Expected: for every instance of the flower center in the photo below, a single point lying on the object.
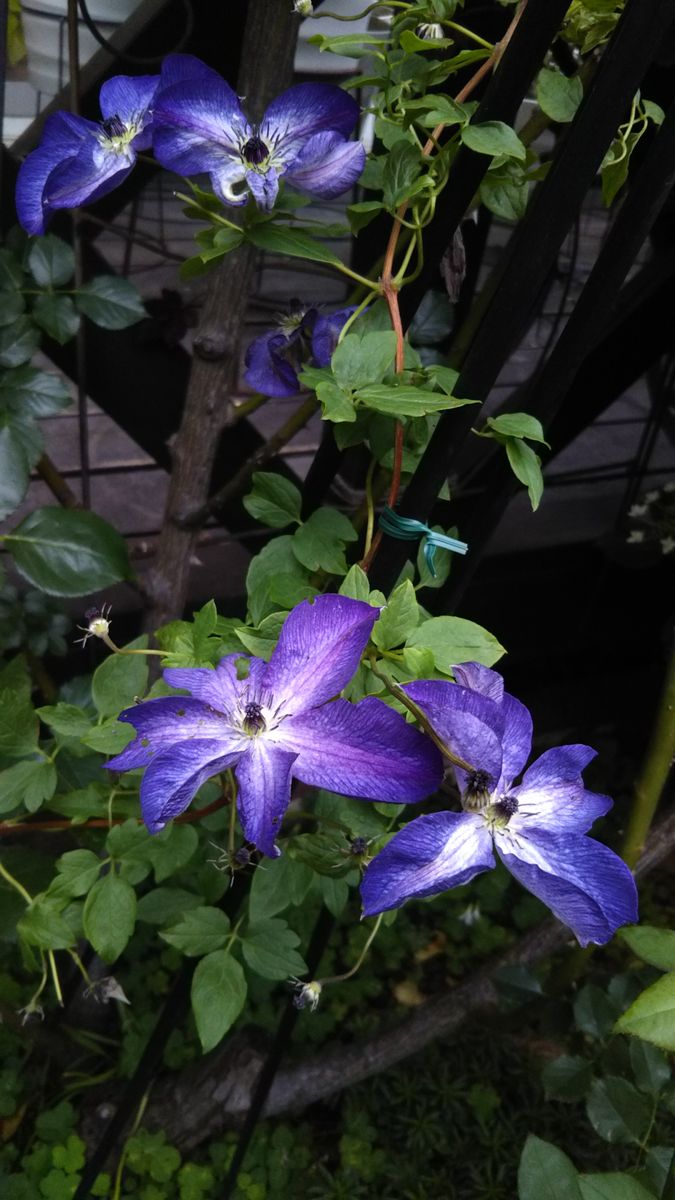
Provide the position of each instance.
(477, 790)
(254, 722)
(255, 151)
(499, 814)
(113, 127)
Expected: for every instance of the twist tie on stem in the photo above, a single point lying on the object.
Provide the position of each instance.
(408, 529)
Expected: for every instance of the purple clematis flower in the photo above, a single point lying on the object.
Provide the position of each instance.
(274, 359)
(77, 160)
(537, 827)
(271, 723)
(200, 127)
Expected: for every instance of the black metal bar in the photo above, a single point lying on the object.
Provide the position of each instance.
(532, 250)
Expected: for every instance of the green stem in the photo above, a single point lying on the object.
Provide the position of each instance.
(359, 962)
(18, 887)
(105, 637)
(316, 16)
(208, 214)
(654, 773)
(356, 314)
(469, 33)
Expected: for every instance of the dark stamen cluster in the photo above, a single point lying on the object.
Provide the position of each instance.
(242, 857)
(477, 784)
(254, 721)
(254, 150)
(507, 805)
(358, 847)
(113, 127)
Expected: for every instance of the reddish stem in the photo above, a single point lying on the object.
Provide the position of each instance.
(6, 827)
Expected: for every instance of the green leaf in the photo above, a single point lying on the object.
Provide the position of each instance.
(171, 850)
(652, 945)
(362, 213)
(109, 915)
(165, 905)
(65, 719)
(275, 559)
(567, 1078)
(652, 1015)
(443, 109)
(493, 138)
(654, 112)
(110, 302)
(18, 722)
(78, 871)
(614, 1186)
(319, 543)
(559, 96)
(218, 995)
(545, 1173)
(659, 1162)
(505, 195)
(287, 591)
(418, 661)
(399, 618)
(273, 500)
(358, 361)
(336, 405)
(355, 584)
(269, 950)
(57, 316)
(17, 457)
(262, 641)
(277, 883)
(29, 783)
(617, 1111)
(201, 931)
(42, 925)
(66, 552)
(334, 893)
(327, 853)
(18, 342)
(456, 640)
(120, 679)
(11, 273)
(358, 816)
(12, 305)
(34, 393)
(594, 1012)
(51, 262)
(517, 425)
(401, 169)
(404, 400)
(110, 737)
(526, 466)
(651, 1069)
(280, 239)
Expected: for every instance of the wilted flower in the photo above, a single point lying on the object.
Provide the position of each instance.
(79, 161)
(200, 127)
(271, 723)
(430, 31)
(307, 995)
(274, 359)
(538, 827)
(98, 624)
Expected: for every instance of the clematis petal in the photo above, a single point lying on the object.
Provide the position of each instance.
(326, 166)
(325, 334)
(516, 738)
(180, 68)
(480, 679)
(264, 187)
(317, 653)
(208, 112)
(188, 153)
(366, 750)
(584, 883)
(305, 109)
(221, 687)
(62, 139)
(266, 368)
(93, 172)
(552, 795)
(163, 723)
(433, 853)
(128, 97)
(468, 722)
(264, 775)
(173, 778)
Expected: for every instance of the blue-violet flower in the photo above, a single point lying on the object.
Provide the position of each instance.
(274, 359)
(200, 127)
(538, 827)
(271, 723)
(78, 160)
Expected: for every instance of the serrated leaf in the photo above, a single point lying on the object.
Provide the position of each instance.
(336, 404)
(218, 995)
(51, 261)
(28, 783)
(269, 949)
(319, 543)
(57, 316)
(545, 1173)
(652, 1015)
(78, 871)
(171, 850)
(201, 931)
(456, 640)
(68, 552)
(617, 1111)
(120, 679)
(109, 915)
(18, 342)
(273, 501)
(110, 302)
(399, 619)
(65, 719)
(164, 905)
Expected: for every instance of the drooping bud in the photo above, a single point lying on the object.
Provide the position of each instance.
(98, 624)
(307, 995)
(304, 8)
